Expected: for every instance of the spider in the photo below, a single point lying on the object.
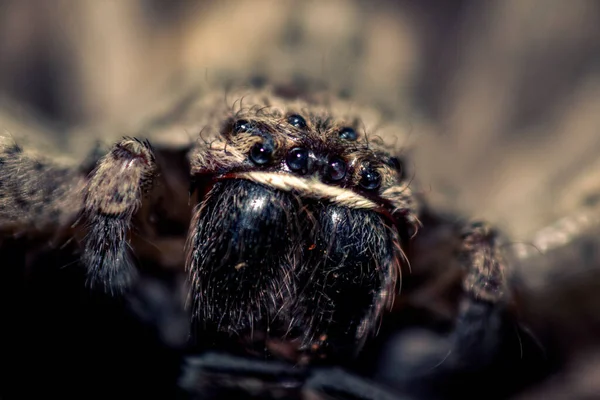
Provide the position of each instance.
(294, 222)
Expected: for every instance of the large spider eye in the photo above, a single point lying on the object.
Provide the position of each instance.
(347, 134)
(371, 179)
(241, 125)
(261, 153)
(297, 121)
(297, 160)
(336, 169)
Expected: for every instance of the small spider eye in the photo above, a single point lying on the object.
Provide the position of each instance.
(347, 134)
(260, 153)
(297, 121)
(398, 166)
(241, 125)
(336, 169)
(297, 160)
(395, 163)
(371, 179)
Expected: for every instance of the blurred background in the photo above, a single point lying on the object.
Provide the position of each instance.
(500, 99)
(501, 96)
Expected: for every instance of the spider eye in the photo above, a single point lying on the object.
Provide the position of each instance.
(241, 125)
(336, 169)
(260, 153)
(297, 160)
(347, 134)
(297, 121)
(371, 179)
(395, 163)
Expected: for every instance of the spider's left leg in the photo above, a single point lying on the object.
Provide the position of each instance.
(485, 343)
(113, 195)
(489, 339)
(482, 313)
(488, 343)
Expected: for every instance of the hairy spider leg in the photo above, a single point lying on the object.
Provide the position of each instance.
(37, 195)
(112, 196)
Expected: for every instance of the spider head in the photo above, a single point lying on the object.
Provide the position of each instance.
(296, 237)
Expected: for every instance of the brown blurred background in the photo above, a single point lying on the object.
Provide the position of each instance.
(500, 96)
(500, 99)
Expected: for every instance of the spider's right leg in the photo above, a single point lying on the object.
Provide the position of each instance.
(38, 195)
(113, 194)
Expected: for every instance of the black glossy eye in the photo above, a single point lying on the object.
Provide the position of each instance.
(241, 125)
(398, 166)
(261, 153)
(297, 160)
(297, 121)
(347, 134)
(395, 163)
(336, 169)
(371, 179)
